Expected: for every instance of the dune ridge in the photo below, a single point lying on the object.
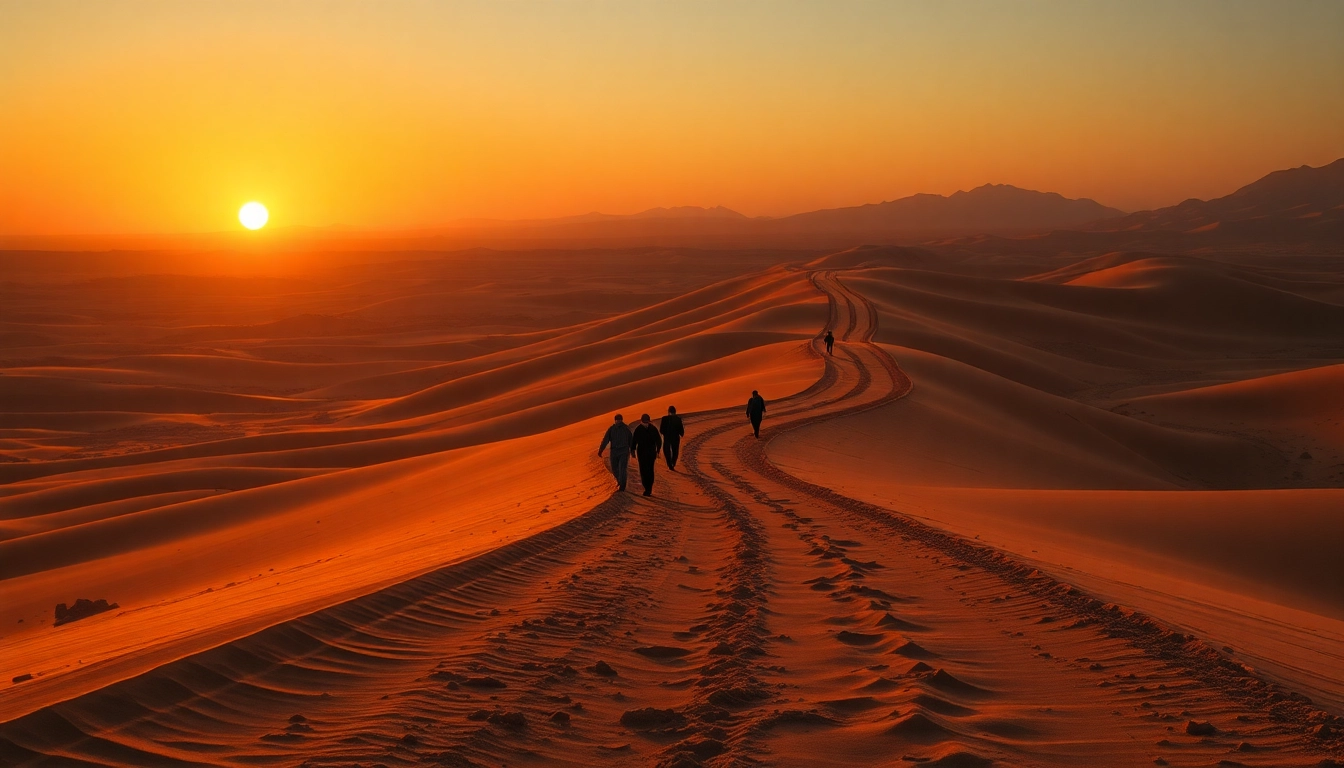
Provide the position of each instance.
(741, 612)
(1041, 534)
(122, 510)
(1158, 428)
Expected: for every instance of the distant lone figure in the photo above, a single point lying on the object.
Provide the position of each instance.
(830, 343)
(645, 443)
(756, 411)
(671, 429)
(618, 437)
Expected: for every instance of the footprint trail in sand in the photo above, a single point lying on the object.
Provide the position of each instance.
(741, 616)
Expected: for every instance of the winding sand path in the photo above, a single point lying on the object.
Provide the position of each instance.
(741, 616)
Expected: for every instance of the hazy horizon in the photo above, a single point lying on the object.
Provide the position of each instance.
(410, 117)
(466, 222)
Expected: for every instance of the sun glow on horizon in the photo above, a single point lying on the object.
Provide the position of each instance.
(415, 115)
(253, 215)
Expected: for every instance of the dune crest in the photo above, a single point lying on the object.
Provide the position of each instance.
(880, 576)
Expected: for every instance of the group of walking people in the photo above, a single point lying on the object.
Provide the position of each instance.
(645, 440)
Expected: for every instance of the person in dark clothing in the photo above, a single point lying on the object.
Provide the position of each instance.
(645, 444)
(756, 411)
(618, 437)
(672, 431)
(830, 343)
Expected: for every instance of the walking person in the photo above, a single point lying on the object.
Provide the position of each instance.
(756, 411)
(830, 342)
(618, 437)
(645, 443)
(671, 429)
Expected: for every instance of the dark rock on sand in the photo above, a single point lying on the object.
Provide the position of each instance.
(651, 717)
(662, 651)
(82, 609)
(1198, 728)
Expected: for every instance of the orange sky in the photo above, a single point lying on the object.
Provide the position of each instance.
(167, 116)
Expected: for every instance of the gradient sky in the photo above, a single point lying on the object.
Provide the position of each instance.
(149, 117)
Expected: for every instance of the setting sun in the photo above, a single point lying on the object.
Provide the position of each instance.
(253, 215)
(672, 383)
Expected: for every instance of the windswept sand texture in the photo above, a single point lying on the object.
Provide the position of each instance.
(1049, 513)
(213, 473)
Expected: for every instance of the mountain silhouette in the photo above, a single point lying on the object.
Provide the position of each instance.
(1296, 204)
(988, 209)
(999, 209)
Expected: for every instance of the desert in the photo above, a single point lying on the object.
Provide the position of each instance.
(1010, 518)
(669, 384)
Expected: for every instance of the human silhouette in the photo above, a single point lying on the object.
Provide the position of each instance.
(618, 437)
(756, 411)
(830, 343)
(645, 443)
(670, 427)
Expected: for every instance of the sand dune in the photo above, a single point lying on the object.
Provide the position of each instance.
(1300, 413)
(1021, 432)
(125, 509)
(1014, 520)
(964, 427)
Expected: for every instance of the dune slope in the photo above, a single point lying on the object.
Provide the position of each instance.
(742, 613)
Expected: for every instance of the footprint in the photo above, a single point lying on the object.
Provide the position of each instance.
(662, 651)
(942, 706)
(858, 638)
(891, 622)
(952, 757)
(852, 704)
(913, 650)
(944, 681)
(917, 726)
(882, 685)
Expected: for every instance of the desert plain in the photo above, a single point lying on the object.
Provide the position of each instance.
(1071, 496)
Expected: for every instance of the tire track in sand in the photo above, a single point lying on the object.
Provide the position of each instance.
(743, 616)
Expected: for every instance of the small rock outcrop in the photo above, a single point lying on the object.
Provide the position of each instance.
(1200, 728)
(82, 609)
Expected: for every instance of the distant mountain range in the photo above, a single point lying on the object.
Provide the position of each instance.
(678, 212)
(992, 208)
(1302, 205)
(1299, 210)
(1298, 203)
(1299, 207)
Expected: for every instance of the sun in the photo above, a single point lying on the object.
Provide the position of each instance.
(253, 215)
